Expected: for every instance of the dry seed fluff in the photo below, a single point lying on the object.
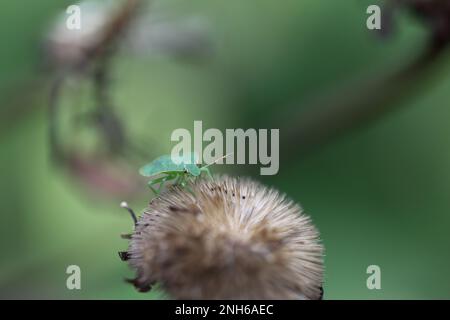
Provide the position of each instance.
(235, 239)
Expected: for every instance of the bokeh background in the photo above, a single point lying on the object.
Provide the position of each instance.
(379, 194)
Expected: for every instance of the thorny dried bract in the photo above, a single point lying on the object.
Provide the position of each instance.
(230, 239)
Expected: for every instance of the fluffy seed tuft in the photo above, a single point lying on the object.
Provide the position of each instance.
(235, 239)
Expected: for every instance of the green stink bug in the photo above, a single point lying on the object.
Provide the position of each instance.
(179, 168)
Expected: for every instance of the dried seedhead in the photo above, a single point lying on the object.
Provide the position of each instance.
(227, 239)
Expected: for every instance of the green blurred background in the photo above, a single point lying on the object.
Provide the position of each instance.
(379, 195)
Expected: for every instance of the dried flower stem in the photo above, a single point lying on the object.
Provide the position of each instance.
(354, 107)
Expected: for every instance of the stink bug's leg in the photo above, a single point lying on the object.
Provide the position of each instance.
(185, 184)
(208, 173)
(188, 188)
(124, 205)
(179, 179)
(173, 176)
(151, 188)
(163, 180)
(191, 179)
(151, 183)
(161, 185)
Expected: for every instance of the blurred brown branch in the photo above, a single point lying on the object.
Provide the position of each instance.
(359, 103)
(95, 64)
(99, 172)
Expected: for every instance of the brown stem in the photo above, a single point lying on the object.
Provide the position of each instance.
(96, 57)
(354, 107)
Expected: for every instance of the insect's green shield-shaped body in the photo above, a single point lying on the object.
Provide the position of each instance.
(178, 168)
(168, 164)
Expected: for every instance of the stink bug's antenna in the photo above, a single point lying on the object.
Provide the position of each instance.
(124, 205)
(215, 161)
